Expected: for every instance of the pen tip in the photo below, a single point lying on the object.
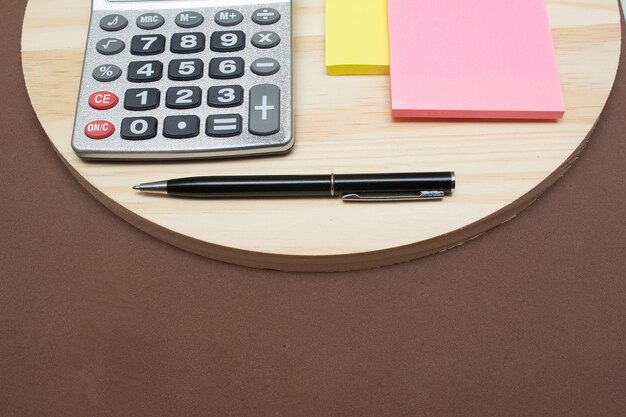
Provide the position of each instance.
(152, 187)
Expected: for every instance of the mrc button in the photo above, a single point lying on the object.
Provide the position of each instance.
(150, 21)
(103, 100)
(99, 129)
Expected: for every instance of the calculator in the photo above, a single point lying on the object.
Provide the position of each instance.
(178, 79)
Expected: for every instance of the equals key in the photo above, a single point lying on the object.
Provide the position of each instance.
(224, 125)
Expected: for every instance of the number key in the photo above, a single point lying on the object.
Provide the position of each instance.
(139, 128)
(146, 71)
(228, 41)
(185, 69)
(226, 68)
(137, 99)
(183, 97)
(187, 43)
(147, 45)
(226, 96)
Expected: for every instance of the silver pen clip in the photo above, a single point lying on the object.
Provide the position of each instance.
(380, 197)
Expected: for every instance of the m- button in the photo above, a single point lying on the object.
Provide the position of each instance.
(103, 100)
(189, 20)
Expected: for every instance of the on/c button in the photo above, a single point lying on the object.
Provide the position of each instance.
(99, 129)
(103, 100)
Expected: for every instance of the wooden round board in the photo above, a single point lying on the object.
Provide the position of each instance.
(343, 125)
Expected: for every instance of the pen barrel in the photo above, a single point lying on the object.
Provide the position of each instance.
(394, 183)
(251, 186)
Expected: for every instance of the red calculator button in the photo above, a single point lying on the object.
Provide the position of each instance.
(99, 129)
(103, 100)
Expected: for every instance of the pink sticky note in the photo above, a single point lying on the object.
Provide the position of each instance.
(473, 59)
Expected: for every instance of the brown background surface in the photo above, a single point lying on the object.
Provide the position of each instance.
(99, 319)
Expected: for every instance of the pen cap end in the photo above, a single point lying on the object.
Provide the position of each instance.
(452, 181)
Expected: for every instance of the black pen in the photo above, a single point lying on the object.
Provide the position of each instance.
(350, 187)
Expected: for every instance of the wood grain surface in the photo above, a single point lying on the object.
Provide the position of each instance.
(343, 125)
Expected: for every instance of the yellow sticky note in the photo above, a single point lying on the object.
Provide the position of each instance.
(357, 37)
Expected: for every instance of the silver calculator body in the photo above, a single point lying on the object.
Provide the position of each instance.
(179, 79)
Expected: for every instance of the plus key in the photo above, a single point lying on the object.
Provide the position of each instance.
(264, 110)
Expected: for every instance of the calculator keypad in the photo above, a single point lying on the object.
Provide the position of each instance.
(209, 82)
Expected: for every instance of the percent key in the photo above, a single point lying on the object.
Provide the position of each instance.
(107, 73)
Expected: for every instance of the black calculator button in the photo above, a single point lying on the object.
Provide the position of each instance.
(150, 21)
(181, 127)
(223, 125)
(226, 68)
(147, 45)
(137, 99)
(265, 40)
(183, 97)
(226, 96)
(228, 41)
(113, 22)
(187, 43)
(139, 128)
(110, 46)
(189, 19)
(145, 71)
(228, 17)
(185, 69)
(265, 66)
(266, 16)
(107, 73)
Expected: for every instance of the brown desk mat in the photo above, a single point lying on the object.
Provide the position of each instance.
(99, 319)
